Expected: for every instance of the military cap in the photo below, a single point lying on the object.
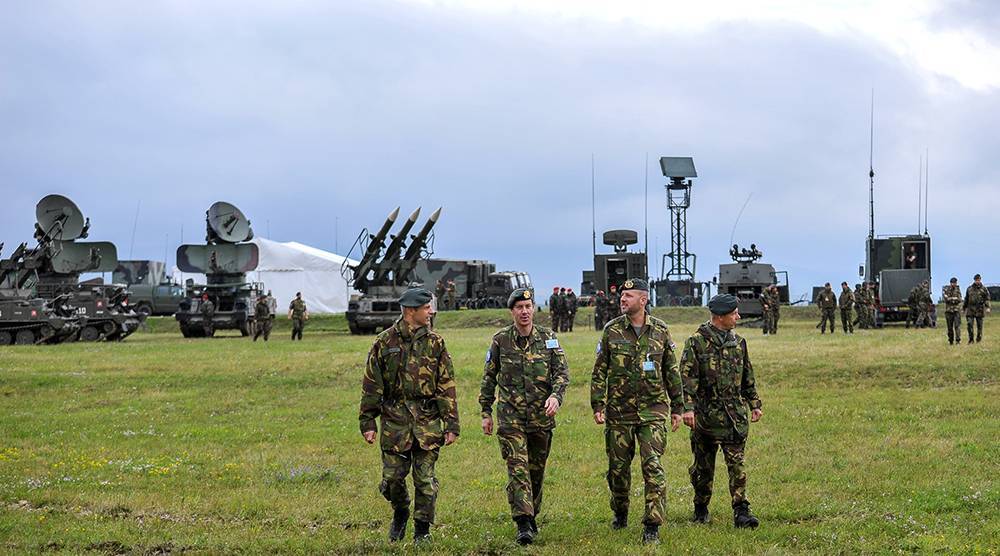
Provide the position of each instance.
(635, 284)
(555, 289)
(954, 280)
(977, 277)
(415, 297)
(723, 304)
(520, 294)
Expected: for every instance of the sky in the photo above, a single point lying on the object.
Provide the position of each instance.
(319, 118)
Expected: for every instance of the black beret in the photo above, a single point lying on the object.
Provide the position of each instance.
(723, 304)
(415, 297)
(954, 280)
(520, 294)
(635, 284)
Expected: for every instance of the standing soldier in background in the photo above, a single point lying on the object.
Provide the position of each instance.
(952, 295)
(827, 302)
(976, 305)
(554, 308)
(614, 303)
(859, 308)
(872, 304)
(600, 310)
(765, 308)
(298, 314)
(719, 385)
(913, 307)
(634, 388)
(262, 316)
(409, 386)
(924, 302)
(207, 309)
(571, 306)
(563, 311)
(846, 303)
(863, 306)
(774, 315)
(529, 366)
(450, 299)
(272, 305)
(439, 292)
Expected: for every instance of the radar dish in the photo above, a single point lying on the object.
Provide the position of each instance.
(228, 223)
(59, 218)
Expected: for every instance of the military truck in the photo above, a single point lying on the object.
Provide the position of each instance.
(224, 260)
(746, 278)
(26, 319)
(477, 283)
(896, 264)
(150, 290)
(385, 271)
(613, 269)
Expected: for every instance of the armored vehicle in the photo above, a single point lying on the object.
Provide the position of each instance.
(25, 319)
(896, 264)
(150, 290)
(746, 278)
(613, 269)
(385, 271)
(477, 283)
(224, 260)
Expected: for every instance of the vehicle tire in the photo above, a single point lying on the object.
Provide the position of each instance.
(5, 338)
(354, 328)
(144, 309)
(185, 332)
(24, 337)
(245, 328)
(89, 334)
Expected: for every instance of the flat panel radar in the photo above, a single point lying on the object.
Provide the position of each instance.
(678, 167)
(228, 224)
(60, 218)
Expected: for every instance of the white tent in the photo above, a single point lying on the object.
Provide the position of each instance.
(286, 268)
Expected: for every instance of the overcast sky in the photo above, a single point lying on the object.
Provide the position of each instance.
(318, 118)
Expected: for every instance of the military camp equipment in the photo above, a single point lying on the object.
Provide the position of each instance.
(746, 278)
(478, 285)
(150, 290)
(26, 319)
(613, 269)
(676, 285)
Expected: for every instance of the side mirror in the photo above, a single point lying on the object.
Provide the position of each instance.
(861, 270)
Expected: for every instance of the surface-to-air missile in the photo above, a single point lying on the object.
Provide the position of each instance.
(51, 270)
(224, 260)
(382, 276)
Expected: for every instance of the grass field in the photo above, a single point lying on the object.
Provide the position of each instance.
(883, 442)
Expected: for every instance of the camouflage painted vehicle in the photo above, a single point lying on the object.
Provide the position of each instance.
(746, 278)
(896, 264)
(150, 291)
(26, 320)
(477, 283)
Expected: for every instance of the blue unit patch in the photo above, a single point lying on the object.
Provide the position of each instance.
(552, 344)
(489, 355)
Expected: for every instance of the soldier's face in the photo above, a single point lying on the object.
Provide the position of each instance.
(421, 316)
(978, 281)
(728, 321)
(632, 301)
(523, 313)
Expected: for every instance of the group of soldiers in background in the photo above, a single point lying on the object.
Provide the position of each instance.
(770, 303)
(606, 307)
(976, 304)
(446, 294)
(920, 305)
(562, 309)
(264, 313)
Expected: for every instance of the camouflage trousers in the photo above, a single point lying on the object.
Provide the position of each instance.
(954, 321)
(826, 315)
(702, 470)
(978, 322)
(297, 326)
(847, 320)
(599, 321)
(766, 317)
(620, 441)
(525, 454)
(569, 321)
(775, 316)
(262, 328)
(396, 466)
(861, 316)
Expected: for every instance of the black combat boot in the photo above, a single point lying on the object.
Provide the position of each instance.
(534, 524)
(651, 534)
(701, 514)
(620, 521)
(525, 535)
(397, 529)
(421, 531)
(742, 518)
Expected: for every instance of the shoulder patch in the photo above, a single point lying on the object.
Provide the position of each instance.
(489, 355)
(552, 343)
(598, 348)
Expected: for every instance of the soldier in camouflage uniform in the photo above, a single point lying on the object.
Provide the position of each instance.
(976, 305)
(614, 303)
(913, 307)
(298, 313)
(528, 365)
(870, 289)
(846, 303)
(409, 386)
(554, 311)
(719, 384)
(952, 296)
(451, 296)
(600, 310)
(207, 310)
(571, 307)
(775, 308)
(634, 388)
(765, 308)
(859, 301)
(827, 302)
(924, 302)
(262, 318)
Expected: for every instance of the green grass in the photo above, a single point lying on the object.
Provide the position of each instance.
(884, 442)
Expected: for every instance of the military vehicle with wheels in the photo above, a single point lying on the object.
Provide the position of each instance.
(224, 260)
(746, 278)
(478, 285)
(385, 272)
(27, 320)
(150, 290)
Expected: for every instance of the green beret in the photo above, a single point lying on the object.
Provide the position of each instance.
(635, 284)
(520, 294)
(415, 297)
(723, 304)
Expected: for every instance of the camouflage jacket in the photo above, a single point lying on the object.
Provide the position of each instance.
(846, 299)
(207, 308)
(865, 297)
(977, 299)
(826, 299)
(298, 308)
(409, 384)
(765, 300)
(262, 310)
(571, 302)
(600, 305)
(635, 379)
(719, 383)
(555, 303)
(527, 377)
(952, 298)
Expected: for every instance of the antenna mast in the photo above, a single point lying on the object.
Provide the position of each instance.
(645, 214)
(926, 185)
(920, 192)
(593, 212)
(871, 173)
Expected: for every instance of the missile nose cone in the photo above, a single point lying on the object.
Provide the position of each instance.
(416, 214)
(393, 215)
(436, 214)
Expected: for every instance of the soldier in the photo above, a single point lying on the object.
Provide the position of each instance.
(634, 387)
(913, 306)
(439, 290)
(859, 307)
(600, 310)
(827, 301)
(207, 309)
(272, 305)
(775, 308)
(299, 314)
(872, 306)
(262, 316)
(554, 308)
(846, 303)
(614, 303)
(952, 295)
(765, 308)
(528, 364)
(563, 311)
(571, 306)
(976, 305)
(924, 302)
(719, 385)
(409, 386)
(450, 296)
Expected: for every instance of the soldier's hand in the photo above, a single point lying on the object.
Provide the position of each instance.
(488, 426)
(755, 415)
(675, 422)
(551, 406)
(688, 418)
(599, 417)
(369, 436)
(449, 438)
